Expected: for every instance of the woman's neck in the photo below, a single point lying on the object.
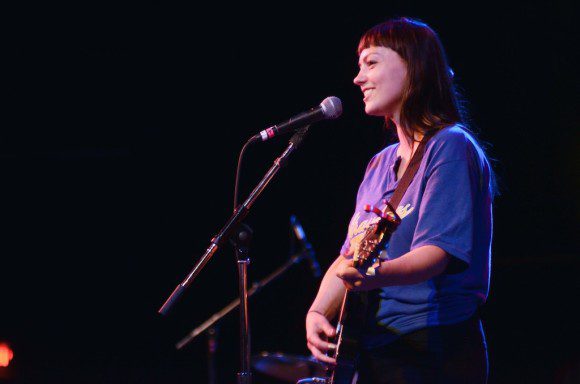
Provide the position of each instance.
(407, 146)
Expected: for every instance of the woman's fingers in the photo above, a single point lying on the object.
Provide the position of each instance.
(319, 344)
(318, 355)
(318, 328)
(328, 330)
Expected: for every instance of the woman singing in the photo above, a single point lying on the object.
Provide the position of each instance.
(424, 325)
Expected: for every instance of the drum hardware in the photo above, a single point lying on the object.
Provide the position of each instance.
(286, 367)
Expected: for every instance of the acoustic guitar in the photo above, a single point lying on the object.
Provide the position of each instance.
(353, 312)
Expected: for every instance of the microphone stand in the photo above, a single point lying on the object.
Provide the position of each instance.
(245, 375)
(212, 347)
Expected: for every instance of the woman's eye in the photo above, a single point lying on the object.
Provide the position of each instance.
(371, 63)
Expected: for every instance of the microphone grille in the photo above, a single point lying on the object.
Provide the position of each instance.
(331, 107)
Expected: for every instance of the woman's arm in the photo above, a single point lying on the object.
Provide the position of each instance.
(416, 266)
(330, 293)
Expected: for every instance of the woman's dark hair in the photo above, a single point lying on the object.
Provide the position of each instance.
(430, 101)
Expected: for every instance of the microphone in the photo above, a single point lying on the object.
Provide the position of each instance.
(330, 108)
(306, 246)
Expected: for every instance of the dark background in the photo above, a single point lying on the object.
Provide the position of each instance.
(122, 127)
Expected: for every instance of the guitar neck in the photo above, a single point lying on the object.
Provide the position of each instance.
(349, 329)
(353, 310)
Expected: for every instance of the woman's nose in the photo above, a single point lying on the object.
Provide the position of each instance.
(360, 78)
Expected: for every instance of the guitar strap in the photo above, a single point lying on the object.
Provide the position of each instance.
(410, 172)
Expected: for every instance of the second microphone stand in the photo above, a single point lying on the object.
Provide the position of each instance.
(256, 287)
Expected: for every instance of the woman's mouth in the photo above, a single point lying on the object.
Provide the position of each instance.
(367, 93)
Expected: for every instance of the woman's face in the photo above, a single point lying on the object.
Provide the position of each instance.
(382, 78)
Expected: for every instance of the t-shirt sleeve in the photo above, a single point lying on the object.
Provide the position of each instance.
(446, 213)
(345, 245)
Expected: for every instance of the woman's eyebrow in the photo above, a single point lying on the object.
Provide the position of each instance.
(365, 57)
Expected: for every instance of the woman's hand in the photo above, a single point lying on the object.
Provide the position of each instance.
(318, 330)
(353, 279)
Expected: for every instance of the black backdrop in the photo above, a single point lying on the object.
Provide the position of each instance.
(122, 127)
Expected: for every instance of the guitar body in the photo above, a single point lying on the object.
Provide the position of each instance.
(353, 313)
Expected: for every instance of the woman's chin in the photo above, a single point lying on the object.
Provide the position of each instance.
(369, 110)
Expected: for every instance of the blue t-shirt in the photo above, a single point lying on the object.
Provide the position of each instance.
(448, 204)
